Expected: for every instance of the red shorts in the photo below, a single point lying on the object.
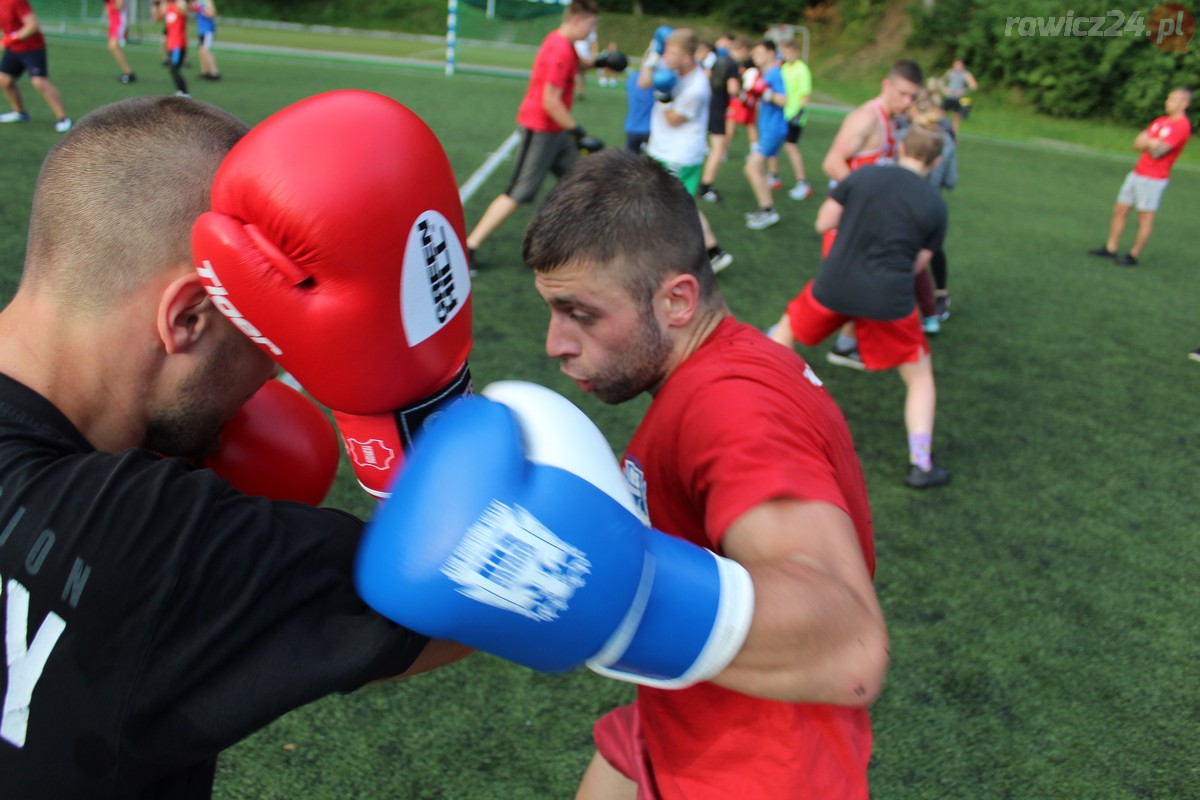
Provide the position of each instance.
(117, 26)
(882, 344)
(740, 112)
(827, 241)
(619, 739)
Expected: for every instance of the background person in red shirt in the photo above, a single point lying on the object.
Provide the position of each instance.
(1161, 144)
(174, 16)
(550, 137)
(25, 49)
(118, 27)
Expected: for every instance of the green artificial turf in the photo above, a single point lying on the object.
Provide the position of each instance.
(1041, 608)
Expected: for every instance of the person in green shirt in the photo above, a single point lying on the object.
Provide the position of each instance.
(797, 78)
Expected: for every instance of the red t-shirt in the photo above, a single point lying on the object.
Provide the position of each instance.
(1174, 132)
(556, 63)
(12, 19)
(176, 21)
(740, 422)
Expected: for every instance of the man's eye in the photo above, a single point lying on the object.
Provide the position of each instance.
(581, 317)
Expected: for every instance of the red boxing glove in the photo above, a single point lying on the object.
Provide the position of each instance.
(279, 445)
(335, 243)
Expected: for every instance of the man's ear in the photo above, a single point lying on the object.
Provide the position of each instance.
(679, 297)
(184, 313)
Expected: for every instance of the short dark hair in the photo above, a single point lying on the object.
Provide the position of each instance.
(907, 70)
(767, 43)
(622, 212)
(116, 196)
(583, 7)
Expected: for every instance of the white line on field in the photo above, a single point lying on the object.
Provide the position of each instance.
(488, 167)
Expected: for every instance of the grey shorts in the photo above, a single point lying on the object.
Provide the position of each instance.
(540, 153)
(1143, 193)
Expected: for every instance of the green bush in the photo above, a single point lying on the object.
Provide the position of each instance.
(1121, 75)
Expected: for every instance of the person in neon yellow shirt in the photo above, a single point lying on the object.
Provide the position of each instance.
(797, 78)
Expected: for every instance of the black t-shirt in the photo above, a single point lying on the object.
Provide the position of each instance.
(723, 69)
(155, 616)
(889, 214)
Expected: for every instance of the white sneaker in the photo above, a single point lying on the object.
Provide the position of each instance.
(182, 94)
(801, 191)
(720, 261)
(760, 219)
(63, 125)
(14, 116)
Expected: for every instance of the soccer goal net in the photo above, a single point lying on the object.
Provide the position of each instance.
(90, 18)
(516, 24)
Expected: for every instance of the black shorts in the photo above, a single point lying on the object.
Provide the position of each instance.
(35, 61)
(953, 105)
(716, 114)
(794, 132)
(540, 153)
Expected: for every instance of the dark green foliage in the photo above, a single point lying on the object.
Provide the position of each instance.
(1113, 73)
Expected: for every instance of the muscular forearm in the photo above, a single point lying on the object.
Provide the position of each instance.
(835, 166)
(557, 110)
(812, 640)
(829, 215)
(29, 26)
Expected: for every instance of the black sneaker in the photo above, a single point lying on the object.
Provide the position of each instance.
(845, 358)
(1102, 251)
(918, 478)
(128, 78)
(1126, 261)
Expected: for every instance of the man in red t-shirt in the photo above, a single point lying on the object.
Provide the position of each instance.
(174, 15)
(741, 451)
(551, 138)
(25, 49)
(1160, 144)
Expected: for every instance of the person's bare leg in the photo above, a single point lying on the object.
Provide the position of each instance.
(114, 47)
(782, 332)
(710, 238)
(1117, 226)
(1145, 226)
(756, 173)
(53, 99)
(717, 147)
(500, 209)
(11, 92)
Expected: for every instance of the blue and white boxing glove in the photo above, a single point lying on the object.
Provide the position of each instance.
(511, 530)
(665, 81)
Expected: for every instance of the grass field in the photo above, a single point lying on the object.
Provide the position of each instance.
(1042, 608)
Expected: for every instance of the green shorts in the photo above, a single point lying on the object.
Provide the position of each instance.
(689, 176)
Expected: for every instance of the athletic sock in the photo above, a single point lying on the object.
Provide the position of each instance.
(845, 343)
(704, 187)
(920, 447)
(713, 252)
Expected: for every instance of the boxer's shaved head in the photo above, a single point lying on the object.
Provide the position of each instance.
(117, 196)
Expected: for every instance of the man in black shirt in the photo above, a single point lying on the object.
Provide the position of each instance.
(153, 614)
(725, 79)
(890, 221)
